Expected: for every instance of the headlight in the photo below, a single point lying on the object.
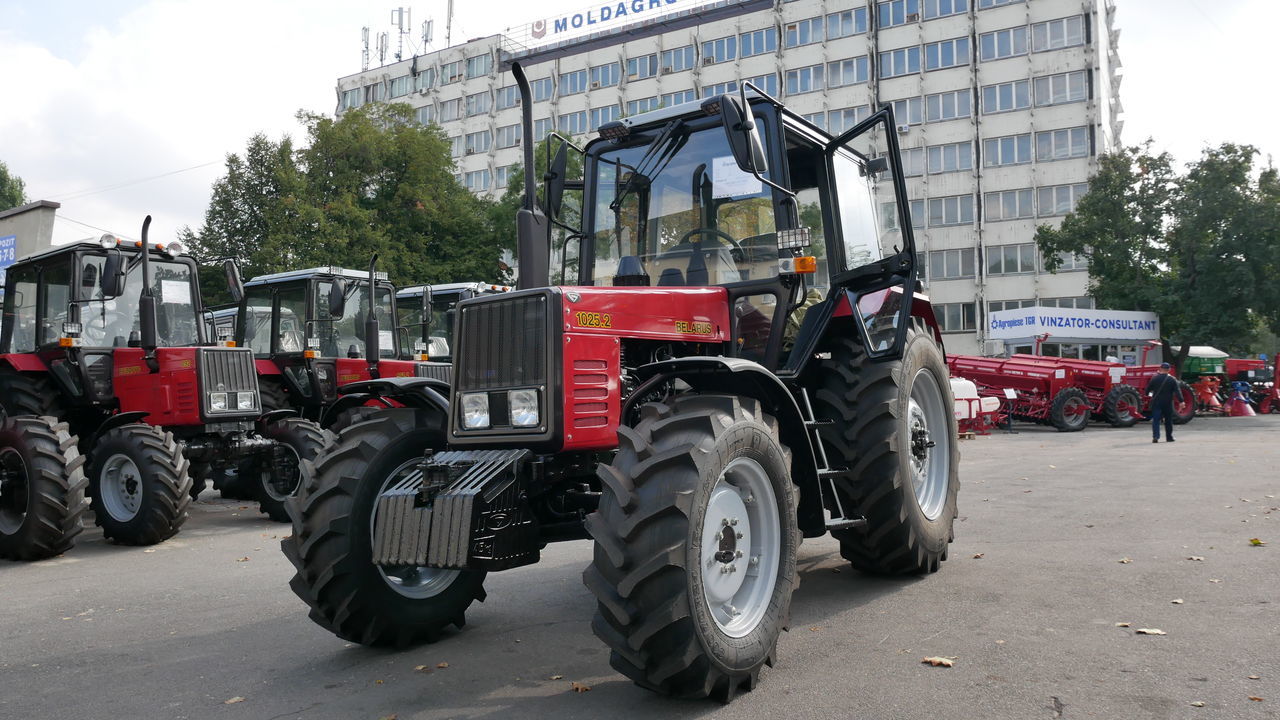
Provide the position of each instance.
(174, 249)
(72, 329)
(245, 401)
(218, 401)
(475, 410)
(524, 407)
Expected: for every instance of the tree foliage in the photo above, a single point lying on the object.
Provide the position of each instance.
(503, 212)
(1199, 247)
(13, 192)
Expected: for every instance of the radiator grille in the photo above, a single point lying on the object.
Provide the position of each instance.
(439, 371)
(503, 343)
(227, 369)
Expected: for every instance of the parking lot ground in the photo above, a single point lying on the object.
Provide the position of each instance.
(1060, 538)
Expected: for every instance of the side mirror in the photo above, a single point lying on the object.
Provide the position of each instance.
(235, 285)
(744, 138)
(877, 165)
(113, 275)
(554, 179)
(337, 297)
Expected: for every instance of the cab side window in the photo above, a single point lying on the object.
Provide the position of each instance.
(55, 289)
(20, 309)
(257, 320)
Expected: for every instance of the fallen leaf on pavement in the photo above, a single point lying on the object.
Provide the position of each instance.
(1254, 677)
(1123, 624)
(939, 661)
(1198, 703)
(1150, 631)
(1176, 601)
(1256, 542)
(1053, 467)
(377, 682)
(579, 687)
(149, 550)
(978, 556)
(421, 668)
(556, 677)
(442, 665)
(243, 559)
(392, 716)
(1124, 561)
(1214, 580)
(814, 629)
(233, 701)
(1197, 558)
(1255, 698)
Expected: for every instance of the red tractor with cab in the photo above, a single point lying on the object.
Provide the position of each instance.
(741, 364)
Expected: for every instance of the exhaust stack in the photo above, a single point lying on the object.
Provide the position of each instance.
(533, 230)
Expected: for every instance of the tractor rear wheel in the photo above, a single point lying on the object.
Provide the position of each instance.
(28, 394)
(695, 547)
(41, 488)
(1184, 405)
(895, 430)
(141, 484)
(332, 542)
(273, 395)
(278, 474)
(1122, 406)
(1070, 410)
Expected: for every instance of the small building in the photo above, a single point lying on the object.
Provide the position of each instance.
(1081, 333)
(25, 230)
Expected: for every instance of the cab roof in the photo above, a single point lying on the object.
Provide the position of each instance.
(314, 272)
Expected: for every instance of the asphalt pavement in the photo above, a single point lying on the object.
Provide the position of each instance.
(1060, 539)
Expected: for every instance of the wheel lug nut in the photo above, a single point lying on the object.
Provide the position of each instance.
(737, 553)
(734, 521)
(724, 521)
(739, 536)
(755, 559)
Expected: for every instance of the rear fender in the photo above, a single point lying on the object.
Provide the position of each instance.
(120, 419)
(736, 376)
(24, 362)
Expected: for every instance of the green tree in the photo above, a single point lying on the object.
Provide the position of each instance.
(12, 190)
(1188, 246)
(503, 211)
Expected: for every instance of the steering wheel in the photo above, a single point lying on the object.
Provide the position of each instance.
(95, 326)
(736, 250)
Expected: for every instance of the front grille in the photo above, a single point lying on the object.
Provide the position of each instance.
(439, 371)
(503, 343)
(227, 370)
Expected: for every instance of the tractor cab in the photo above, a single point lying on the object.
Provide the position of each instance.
(425, 316)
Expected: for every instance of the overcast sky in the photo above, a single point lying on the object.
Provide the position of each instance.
(122, 108)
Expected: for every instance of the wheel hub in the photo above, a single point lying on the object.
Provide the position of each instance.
(120, 484)
(282, 474)
(930, 452)
(741, 540)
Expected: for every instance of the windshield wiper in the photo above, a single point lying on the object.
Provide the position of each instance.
(641, 169)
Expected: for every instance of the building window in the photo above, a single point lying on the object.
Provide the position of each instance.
(455, 146)
(984, 4)
(723, 88)
(541, 129)
(947, 106)
(998, 305)
(450, 110)
(635, 107)
(908, 111)
(1069, 262)
(804, 32)
(1062, 88)
(956, 317)
(572, 83)
(477, 180)
(427, 79)
(677, 59)
(508, 136)
(373, 93)
(849, 22)
(954, 210)
(942, 8)
(427, 114)
(897, 12)
(602, 115)
(639, 68)
(1059, 199)
(479, 103)
(677, 98)
(720, 50)
(1008, 150)
(451, 72)
(541, 89)
(1011, 259)
(606, 75)
(889, 211)
(759, 42)
(478, 142)
(803, 80)
(502, 176)
(1002, 43)
(479, 66)
(573, 123)
(951, 264)
(902, 61)
(508, 97)
(767, 83)
(1057, 34)
(818, 119)
(1085, 303)
(401, 86)
(1062, 144)
(952, 157)
(352, 98)
(912, 162)
(847, 72)
(1008, 205)
(947, 53)
(1004, 97)
(840, 120)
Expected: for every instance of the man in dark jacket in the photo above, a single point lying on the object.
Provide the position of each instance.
(1162, 388)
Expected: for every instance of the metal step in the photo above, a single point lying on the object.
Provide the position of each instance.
(845, 523)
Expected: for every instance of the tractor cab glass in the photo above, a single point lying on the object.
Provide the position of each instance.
(343, 335)
(111, 321)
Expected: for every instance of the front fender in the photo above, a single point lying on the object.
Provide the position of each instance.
(415, 392)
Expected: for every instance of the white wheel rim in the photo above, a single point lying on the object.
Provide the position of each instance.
(929, 444)
(276, 483)
(15, 489)
(412, 581)
(120, 487)
(741, 544)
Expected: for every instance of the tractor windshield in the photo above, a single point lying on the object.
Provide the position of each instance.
(689, 216)
(110, 322)
(339, 336)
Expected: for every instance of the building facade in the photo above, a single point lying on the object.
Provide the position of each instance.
(1003, 107)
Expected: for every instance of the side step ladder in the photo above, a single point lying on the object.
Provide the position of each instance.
(839, 520)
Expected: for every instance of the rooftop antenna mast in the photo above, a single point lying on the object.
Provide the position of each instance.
(382, 49)
(364, 55)
(448, 26)
(402, 19)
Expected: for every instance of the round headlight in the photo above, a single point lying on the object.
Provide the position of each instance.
(475, 410)
(108, 241)
(524, 407)
(174, 249)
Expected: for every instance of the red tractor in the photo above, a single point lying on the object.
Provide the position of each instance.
(709, 393)
(103, 353)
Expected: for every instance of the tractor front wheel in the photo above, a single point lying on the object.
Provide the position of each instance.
(695, 547)
(140, 484)
(1070, 410)
(279, 472)
(41, 488)
(332, 542)
(1122, 406)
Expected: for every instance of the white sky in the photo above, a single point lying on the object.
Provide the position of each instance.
(99, 95)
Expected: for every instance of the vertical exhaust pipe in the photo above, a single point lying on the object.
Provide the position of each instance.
(533, 231)
(147, 303)
(371, 349)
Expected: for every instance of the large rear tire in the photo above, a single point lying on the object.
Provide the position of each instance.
(28, 394)
(279, 474)
(141, 484)
(1070, 410)
(1184, 406)
(273, 395)
(695, 547)
(895, 431)
(42, 488)
(332, 542)
(1122, 406)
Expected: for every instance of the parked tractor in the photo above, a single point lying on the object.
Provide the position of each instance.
(426, 314)
(742, 364)
(103, 352)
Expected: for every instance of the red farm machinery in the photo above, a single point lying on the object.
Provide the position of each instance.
(707, 394)
(1033, 389)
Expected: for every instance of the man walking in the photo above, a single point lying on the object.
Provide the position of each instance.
(1162, 388)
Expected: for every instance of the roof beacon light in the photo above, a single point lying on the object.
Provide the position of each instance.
(614, 130)
(174, 249)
